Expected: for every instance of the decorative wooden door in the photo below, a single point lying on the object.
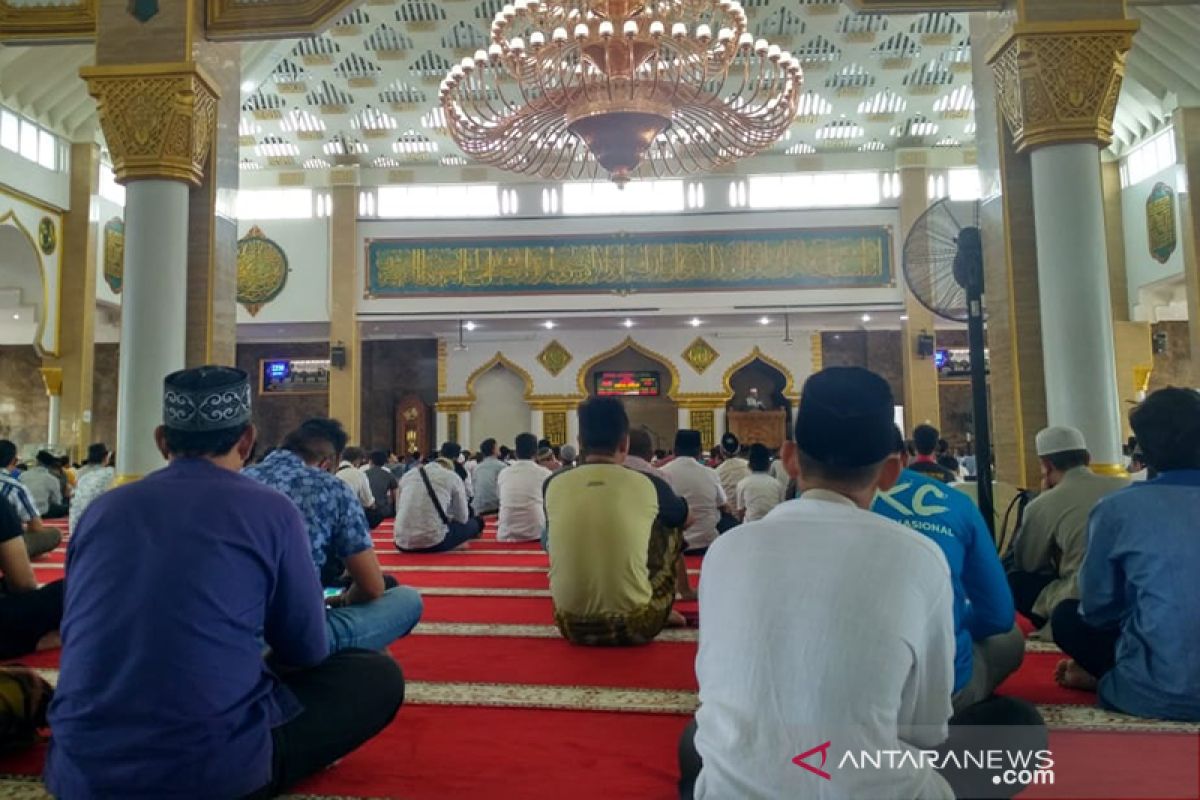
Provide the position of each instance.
(412, 426)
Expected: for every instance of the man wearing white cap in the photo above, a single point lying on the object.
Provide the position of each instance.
(1052, 541)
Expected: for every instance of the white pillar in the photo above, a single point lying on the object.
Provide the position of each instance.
(1076, 310)
(443, 429)
(537, 423)
(55, 420)
(719, 423)
(153, 316)
(464, 430)
(685, 419)
(573, 427)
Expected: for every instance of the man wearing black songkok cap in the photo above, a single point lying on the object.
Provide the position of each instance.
(177, 581)
(824, 620)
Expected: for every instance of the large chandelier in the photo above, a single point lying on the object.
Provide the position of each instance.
(667, 88)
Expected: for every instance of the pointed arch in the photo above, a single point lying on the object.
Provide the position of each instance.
(500, 360)
(789, 390)
(10, 218)
(581, 379)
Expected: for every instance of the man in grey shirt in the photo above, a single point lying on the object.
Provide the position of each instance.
(1052, 540)
(487, 491)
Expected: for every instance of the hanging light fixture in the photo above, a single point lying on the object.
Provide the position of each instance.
(655, 88)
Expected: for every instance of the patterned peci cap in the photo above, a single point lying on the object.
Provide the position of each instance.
(209, 398)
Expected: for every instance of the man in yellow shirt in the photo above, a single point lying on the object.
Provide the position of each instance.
(614, 536)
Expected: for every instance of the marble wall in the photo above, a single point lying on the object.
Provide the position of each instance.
(104, 394)
(1174, 367)
(24, 407)
(276, 415)
(878, 351)
(391, 370)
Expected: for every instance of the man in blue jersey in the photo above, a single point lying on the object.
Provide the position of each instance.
(989, 646)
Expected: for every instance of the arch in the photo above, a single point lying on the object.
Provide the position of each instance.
(581, 379)
(500, 360)
(789, 389)
(9, 218)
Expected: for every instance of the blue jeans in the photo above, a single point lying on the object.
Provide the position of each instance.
(374, 625)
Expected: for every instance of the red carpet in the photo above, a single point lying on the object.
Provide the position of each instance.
(507, 610)
(1034, 682)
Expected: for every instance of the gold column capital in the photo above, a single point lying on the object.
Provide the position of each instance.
(52, 377)
(158, 119)
(1058, 82)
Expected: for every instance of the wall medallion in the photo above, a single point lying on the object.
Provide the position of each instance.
(114, 253)
(1160, 222)
(700, 355)
(262, 270)
(47, 236)
(554, 358)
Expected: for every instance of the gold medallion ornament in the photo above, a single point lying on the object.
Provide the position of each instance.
(554, 358)
(47, 236)
(1160, 222)
(700, 355)
(262, 270)
(114, 254)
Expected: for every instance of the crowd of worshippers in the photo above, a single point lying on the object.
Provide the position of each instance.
(258, 579)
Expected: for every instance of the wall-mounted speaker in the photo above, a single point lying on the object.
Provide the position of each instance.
(337, 356)
(925, 345)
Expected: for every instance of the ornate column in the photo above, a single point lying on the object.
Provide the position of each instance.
(345, 288)
(1057, 87)
(81, 241)
(158, 120)
(53, 378)
(921, 399)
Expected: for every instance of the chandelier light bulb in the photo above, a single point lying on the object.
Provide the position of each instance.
(574, 89)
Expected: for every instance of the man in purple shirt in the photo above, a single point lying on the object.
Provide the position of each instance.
(163, 690)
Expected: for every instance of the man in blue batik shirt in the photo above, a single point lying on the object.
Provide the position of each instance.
(368, 614)
(989, 645)
(1135, 631)
(164, 691)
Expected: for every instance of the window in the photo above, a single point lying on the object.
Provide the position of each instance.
(1149, 158)
(444, 201)
(815, 190)
(964, 184)
(10, 131)
(275, 204)
(110, 190)
(638, 197)
(31, 141)
(47, 150)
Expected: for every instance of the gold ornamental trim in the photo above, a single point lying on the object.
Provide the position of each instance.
(52, 377)
(61, 24)
(238, 20)
(555, 358)
(158, 119)
(700, 355)
(758, 355)
(552, 403)
(1059, 82)
(702, 401)
(499, 360)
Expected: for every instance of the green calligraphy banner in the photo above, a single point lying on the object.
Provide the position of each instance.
(738, 260)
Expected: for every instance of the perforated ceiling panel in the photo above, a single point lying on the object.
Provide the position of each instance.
(366, 92)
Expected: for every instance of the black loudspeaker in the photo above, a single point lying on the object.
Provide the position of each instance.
(1160, 342)
(337, 356)
(925, 345)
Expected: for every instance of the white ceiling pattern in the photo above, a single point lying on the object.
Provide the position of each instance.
(366, 92)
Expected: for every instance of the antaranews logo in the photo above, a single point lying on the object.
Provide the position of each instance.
(802, 760)
(1007, 767)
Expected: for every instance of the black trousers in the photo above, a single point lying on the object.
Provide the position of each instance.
(348, 698)
(1026, 587)
(1001, 723)
(458, 533)
(1094, 649)
(28, 616)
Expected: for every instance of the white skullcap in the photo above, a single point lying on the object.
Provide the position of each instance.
(1059, 439)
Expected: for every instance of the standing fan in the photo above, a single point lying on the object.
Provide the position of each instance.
(943, 266)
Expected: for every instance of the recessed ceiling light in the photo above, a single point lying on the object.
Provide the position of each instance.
(765, 321)
(16, 316)
(695, 322)
(548, 325)
(628, 323)
(248, 86)
(904, 317)
(866, 317)
(470, 326)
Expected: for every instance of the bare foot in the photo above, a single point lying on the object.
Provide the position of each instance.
(1070, 675)
(676, 620)
(51, 641)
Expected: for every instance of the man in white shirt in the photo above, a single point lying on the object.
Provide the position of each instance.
(39, 538)
(433, 515)
(641, 452)
(798, 667)
(734, 467)
(700, 487)
(44, 487)
(757, 493)
(487, 490)
(522, 513)
(350, 473)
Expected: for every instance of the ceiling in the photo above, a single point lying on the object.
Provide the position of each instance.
(365, 92)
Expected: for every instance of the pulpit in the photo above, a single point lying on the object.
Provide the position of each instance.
(412, 426)
(762, 427)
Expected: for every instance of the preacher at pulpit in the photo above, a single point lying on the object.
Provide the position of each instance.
(752, 402)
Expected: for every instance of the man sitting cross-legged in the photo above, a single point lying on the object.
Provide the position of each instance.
(613, 536)
(433, 514)
(39, 538)
(988, 645)
(163, 690)
(29, 614)
(369, 614)
(522, 511)
(641, 453)
(1136, 625)
(826, 623)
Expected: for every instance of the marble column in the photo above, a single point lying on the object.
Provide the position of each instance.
(1062, 127)
(158, 120)
(921, 392)
(52, 377)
